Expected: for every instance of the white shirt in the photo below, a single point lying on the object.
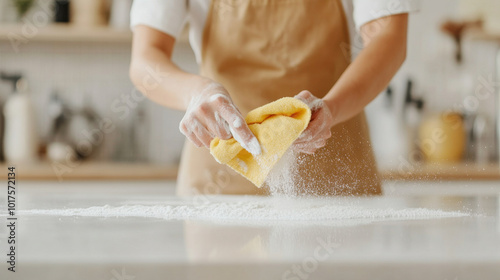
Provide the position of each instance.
(170, 16)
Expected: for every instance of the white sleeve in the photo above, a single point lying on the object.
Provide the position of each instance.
(368, 10)
(168, 16)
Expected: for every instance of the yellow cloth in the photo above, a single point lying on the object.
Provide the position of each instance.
(276, 125)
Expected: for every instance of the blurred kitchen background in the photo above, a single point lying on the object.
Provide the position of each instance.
(70, 111)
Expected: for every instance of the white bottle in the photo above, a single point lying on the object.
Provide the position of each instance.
(21, 139)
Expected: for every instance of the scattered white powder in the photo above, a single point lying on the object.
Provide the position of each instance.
(296, 174)
(243, 165)
(260, 210)
(280, 180)
(237, 122)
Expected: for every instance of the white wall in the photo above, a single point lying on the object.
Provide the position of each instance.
(100, 71)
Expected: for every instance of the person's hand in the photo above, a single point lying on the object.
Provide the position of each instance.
(318, 130)
(211, 113)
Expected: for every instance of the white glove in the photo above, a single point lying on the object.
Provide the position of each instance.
(212, 113)
(318, 130)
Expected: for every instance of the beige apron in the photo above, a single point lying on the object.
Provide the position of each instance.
(262, 50)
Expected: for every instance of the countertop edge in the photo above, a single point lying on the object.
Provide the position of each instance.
(106, 171)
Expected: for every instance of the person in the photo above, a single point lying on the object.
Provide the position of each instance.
(252, 52)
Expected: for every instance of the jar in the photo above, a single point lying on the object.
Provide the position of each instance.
(442, 138)
(89, 12)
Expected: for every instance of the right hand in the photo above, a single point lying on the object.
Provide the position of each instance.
(318, 130)
(211, 113)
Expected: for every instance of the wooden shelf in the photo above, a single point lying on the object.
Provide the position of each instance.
(61, 33)
(444, 172)
(477, 34)
(66, 33)
(92, 171)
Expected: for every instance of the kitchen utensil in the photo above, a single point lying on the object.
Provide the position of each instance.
(470, 142)
(412, 114)
(84, 133)
(479, 133)
(456, 30)
(73, 130)
(59, 114)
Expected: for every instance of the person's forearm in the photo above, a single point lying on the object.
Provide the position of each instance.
(156, 76)
(368, 75)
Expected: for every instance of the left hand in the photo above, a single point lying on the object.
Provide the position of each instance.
(318, 130)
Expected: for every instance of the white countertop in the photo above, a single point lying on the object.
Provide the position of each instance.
(79, 247)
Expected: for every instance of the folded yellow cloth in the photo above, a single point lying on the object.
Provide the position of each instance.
(276, 125)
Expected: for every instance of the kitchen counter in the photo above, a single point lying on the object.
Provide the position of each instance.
(44, 171)
(439, 172)
(134, 247)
